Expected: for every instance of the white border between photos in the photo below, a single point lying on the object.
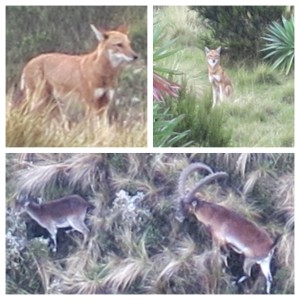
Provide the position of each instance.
(150, 148)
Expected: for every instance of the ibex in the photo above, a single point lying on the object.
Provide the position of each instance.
(228, 228)
(57, 79)
(69, 211)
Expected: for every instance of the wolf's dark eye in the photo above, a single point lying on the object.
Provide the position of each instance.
(120, 45)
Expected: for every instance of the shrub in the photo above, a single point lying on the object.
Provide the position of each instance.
(204, 124)
(238, 27)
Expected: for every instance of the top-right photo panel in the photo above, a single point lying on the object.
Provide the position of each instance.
(223, 76)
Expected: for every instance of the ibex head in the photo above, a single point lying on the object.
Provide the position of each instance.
(22, 201)
(188, 202)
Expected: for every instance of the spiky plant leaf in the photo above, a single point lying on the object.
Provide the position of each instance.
(280, 45)
(163, 49)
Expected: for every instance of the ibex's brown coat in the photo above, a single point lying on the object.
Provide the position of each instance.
(69, 211)
(229, 228)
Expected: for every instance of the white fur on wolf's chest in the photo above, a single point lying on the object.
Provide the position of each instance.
(213, 78)
(98, 93)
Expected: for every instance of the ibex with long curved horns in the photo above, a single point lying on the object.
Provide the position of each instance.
(69, 211)
(227, 227)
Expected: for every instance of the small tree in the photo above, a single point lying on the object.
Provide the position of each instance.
(238, 27)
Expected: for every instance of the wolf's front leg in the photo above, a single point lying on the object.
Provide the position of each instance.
(214, 96)
(221, 96)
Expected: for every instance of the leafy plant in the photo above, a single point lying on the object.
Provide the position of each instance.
(162, 49)
(162, 85)
(280, 44)
(164, 133)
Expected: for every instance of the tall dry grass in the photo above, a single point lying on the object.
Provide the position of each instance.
(136, 245)
(36, 131)
(123, 124)
(127, 128)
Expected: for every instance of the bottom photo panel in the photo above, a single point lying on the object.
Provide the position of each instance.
(201, 223)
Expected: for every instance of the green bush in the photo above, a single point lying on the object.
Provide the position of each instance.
(205, 126)
(238, 28)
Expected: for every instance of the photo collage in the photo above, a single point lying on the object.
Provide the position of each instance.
(149, 149)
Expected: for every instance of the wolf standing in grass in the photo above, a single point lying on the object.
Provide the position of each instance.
(221, 84)
(92, 78)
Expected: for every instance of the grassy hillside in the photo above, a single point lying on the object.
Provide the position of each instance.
(261, 112)
(136, 244)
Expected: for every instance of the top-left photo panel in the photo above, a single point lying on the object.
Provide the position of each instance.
(76, 76)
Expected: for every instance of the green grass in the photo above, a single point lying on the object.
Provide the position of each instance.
(261, 112)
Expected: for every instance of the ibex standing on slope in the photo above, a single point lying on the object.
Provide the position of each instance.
(69, 211)
(227, 227)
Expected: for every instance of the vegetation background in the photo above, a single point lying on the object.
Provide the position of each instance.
(136, 245)
(261, 112)
(32, 30)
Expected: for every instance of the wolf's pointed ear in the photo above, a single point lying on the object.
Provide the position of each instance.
(99, 34)
(219, 49)
(123, 29)
(206, 50)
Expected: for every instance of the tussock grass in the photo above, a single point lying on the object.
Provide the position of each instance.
(179, 22)
(136, 245)
(124, 124)
(285, 200)
(37, 131)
